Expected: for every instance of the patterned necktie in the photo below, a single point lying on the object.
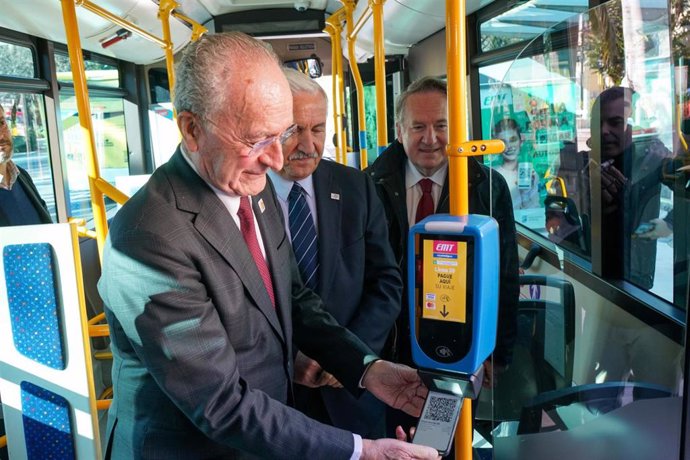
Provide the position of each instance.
(425, 207)
(303, 232)
(249, 234)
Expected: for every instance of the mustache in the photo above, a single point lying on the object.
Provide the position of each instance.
(300, 155)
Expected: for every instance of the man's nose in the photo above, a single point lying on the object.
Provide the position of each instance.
(272, 156)
(305, 141)
(429, 136)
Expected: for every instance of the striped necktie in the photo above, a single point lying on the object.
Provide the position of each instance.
(303, 232)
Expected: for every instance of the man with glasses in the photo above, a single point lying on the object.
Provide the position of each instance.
(203, 295)
(20, 202)
(338, 230)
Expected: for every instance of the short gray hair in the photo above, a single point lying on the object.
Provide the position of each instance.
(206, 67)
(302, 83)
(423, 85)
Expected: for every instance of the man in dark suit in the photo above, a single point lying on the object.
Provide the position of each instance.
(203, 294)
(20, 202)
(354, 270)
(411, 177)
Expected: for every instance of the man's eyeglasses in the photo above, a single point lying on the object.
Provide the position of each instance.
(258, 147)
(281, 138)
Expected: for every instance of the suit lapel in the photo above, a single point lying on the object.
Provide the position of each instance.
(216, 226)
(328, 196)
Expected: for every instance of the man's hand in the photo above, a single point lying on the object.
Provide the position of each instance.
(310, 374)
(612, 184)
(660, 230)
(385, 449)
(397, 385)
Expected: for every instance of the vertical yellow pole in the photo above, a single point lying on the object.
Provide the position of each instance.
(456, 60)
(361, 118)
(342, 134)
(333, 32)
(380, 77)
(69, 17)
(165, 8)
(335, 22)
(458, 176)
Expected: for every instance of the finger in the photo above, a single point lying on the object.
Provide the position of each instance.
(400, 434)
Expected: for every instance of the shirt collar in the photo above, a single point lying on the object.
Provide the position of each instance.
(412, 175)
(283, 186)
(230, 201)
(11, 172)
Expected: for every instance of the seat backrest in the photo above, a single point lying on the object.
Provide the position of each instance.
(46, 377)
(543, 354)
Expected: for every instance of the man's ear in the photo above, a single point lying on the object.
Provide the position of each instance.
(398, 132)
(189, 127)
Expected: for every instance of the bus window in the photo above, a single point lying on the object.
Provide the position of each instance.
(108, 120)
(25, 113)
(560, 147)
(16, 61)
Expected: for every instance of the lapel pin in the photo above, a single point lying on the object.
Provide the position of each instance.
(262, 207)
(335, 196)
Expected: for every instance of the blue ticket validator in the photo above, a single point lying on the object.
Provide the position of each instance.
(453, 270)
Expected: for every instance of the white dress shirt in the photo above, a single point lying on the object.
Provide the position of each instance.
(414, 190)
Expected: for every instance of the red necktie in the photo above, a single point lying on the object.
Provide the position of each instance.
(249, 234)
(425, 207)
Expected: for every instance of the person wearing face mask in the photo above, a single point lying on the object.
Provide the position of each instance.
(342, 252)
(20, 202)
(524, 191)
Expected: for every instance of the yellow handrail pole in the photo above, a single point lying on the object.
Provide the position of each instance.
(69, 16)
(333, 28)
(105, 14)
(342, 138)
(333, 32)
(456, 59)
(366, 14)
(354, 67)
(335, 21)
(197, 29)
(165, 7)
(380, 77)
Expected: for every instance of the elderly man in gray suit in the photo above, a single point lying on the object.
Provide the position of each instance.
(204, 297)
(338, 229)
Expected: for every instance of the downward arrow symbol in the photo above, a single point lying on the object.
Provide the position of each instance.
(444, 312)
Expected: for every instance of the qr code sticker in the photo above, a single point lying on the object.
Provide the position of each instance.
(440, 409)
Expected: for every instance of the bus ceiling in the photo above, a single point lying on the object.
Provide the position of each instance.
(406, 22)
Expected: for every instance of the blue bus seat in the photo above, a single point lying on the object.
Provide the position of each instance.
(544, 351)
(46, 376)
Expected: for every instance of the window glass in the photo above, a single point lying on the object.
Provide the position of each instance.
(97, 73)
(526, 21)
(108, 120)
(16, 61)
(25, 114)
(592, 148)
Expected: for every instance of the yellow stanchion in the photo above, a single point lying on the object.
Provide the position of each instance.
(81, 93)
(334, 29)
(354, 67)
(380, 77)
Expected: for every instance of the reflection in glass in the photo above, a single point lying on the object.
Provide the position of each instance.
(595, 97)
(111, 148)
(25, 114)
